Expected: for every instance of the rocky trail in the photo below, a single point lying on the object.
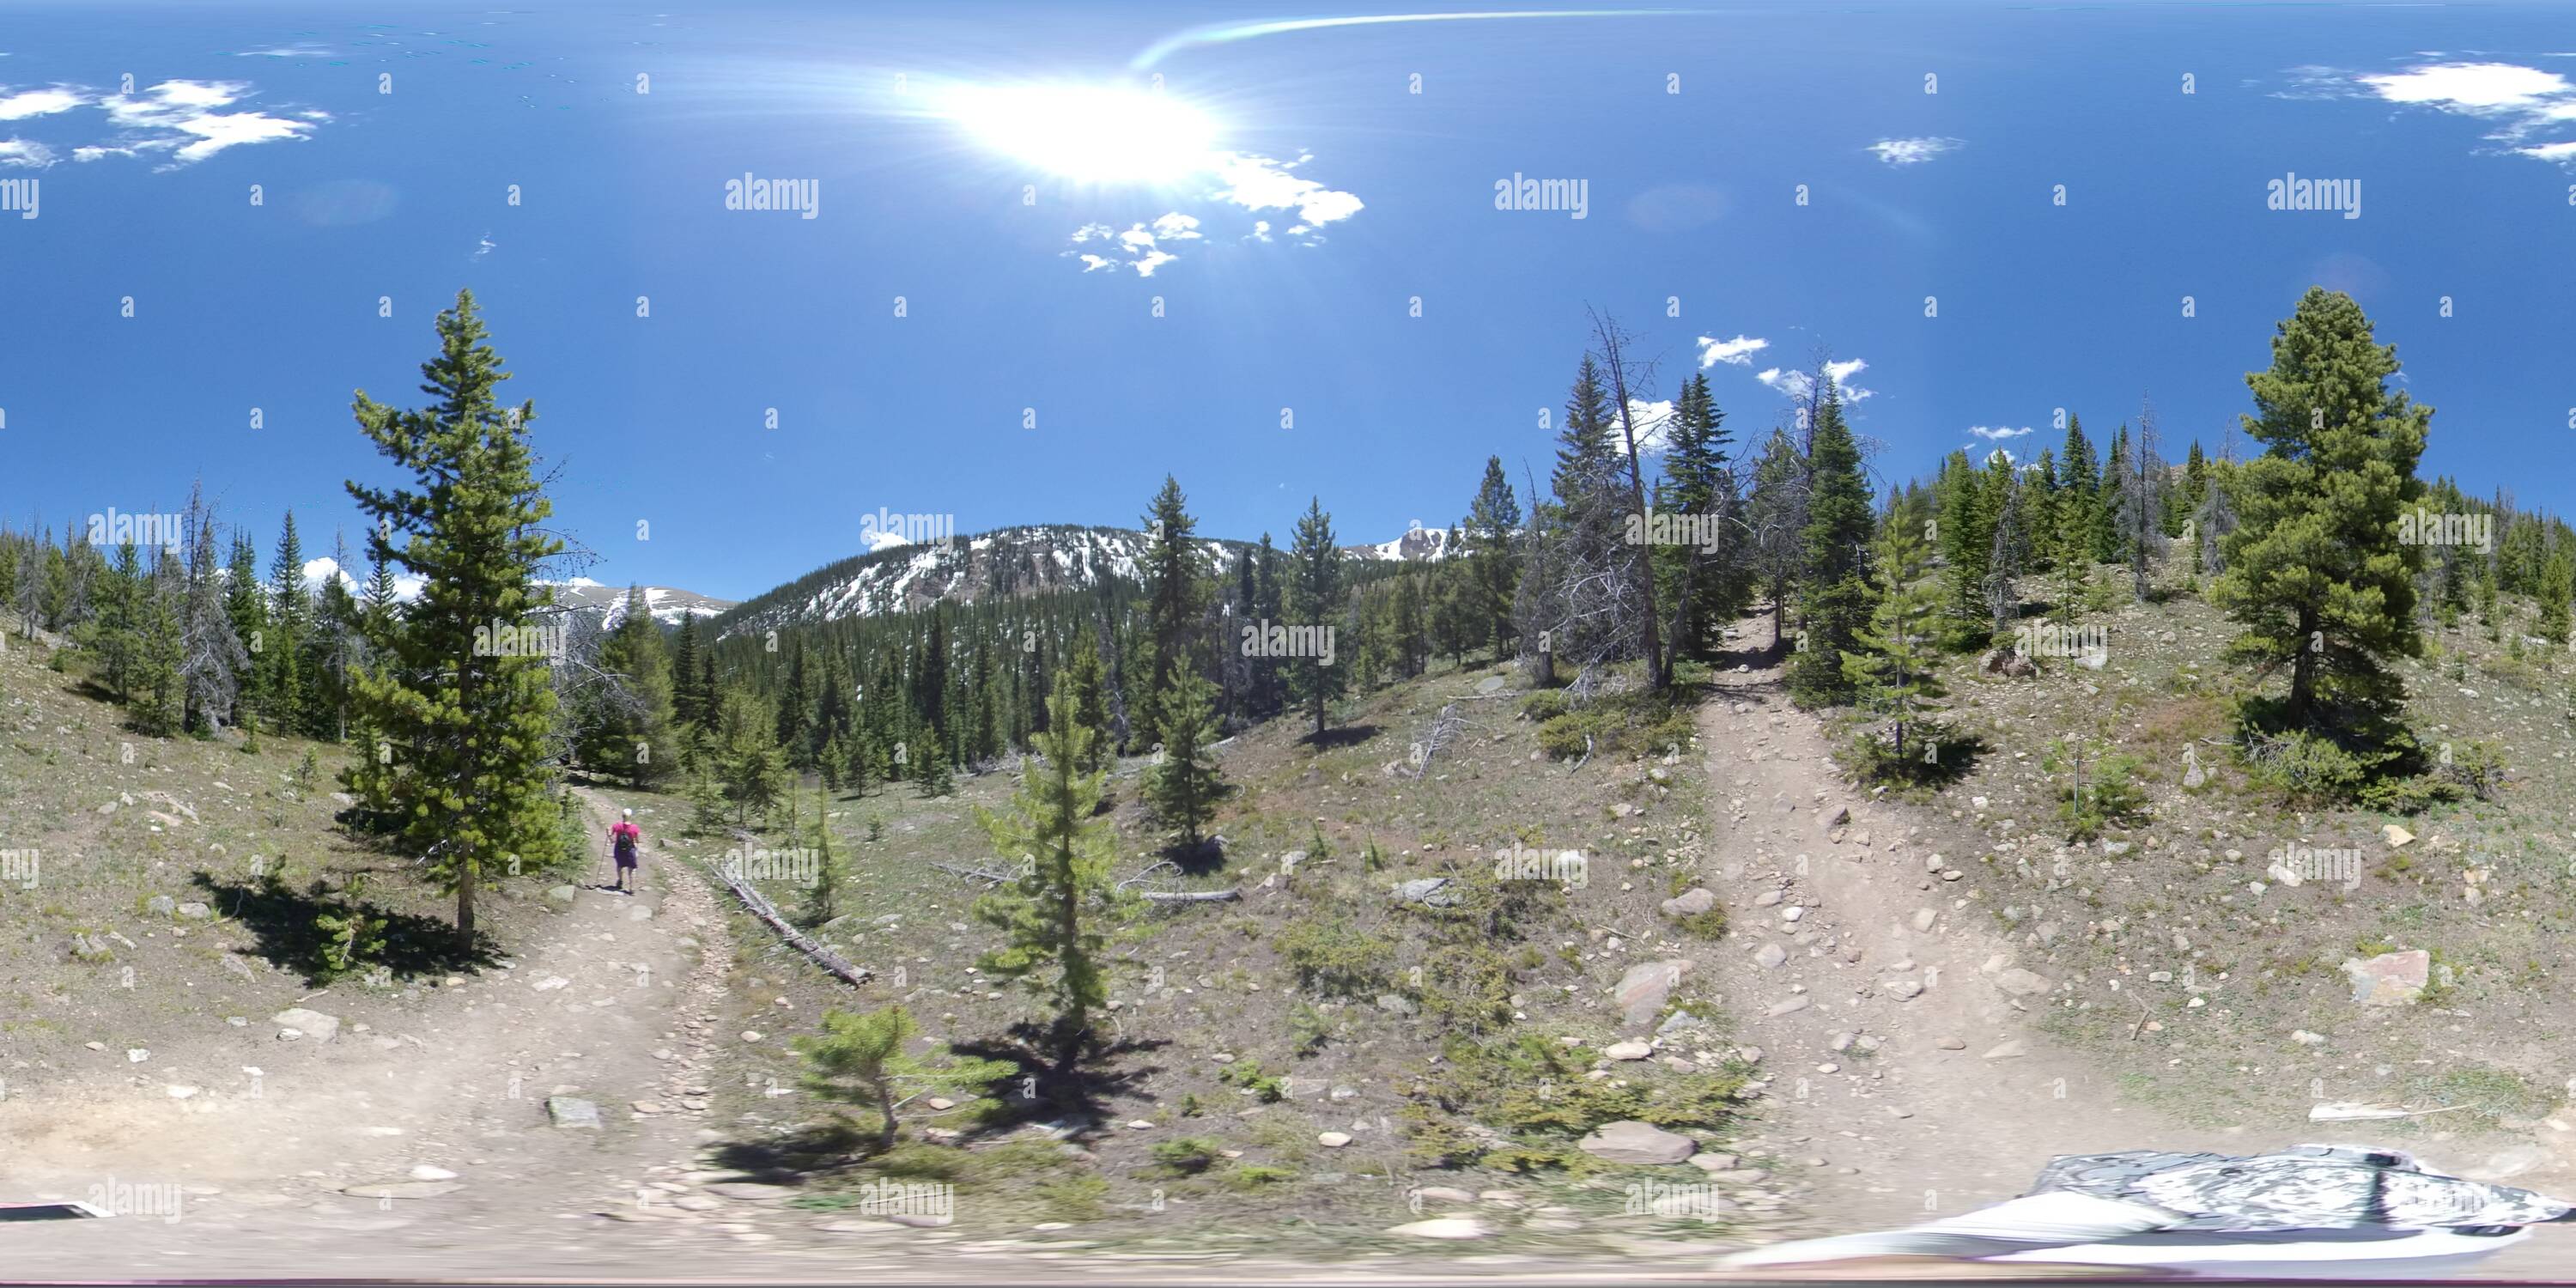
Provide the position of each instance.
(1894, 1021)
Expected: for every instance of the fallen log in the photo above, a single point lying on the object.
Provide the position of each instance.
(762, 908)
(1190, 896)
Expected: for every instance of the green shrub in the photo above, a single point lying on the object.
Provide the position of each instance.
(1248, 1075)
(1258, 1176)
(1187, 1155)
(1545, 705)
(2107, 796)
(1332, 957)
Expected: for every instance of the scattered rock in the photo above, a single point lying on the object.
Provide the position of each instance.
(751, 1191)
(1393, 1004)
(402, 1189)
(1428, 892)
(1628, 1051)
(1770, 956)
(1333, 1139)
(162, 905)
(1689, 903)
(2022, 983)
(1444, 1227)
(1951, 1044)
(568, 1112)
(2390, 979)
(1639, 1143)
(1787, 1007)
(560, 897)
(322, 1028)
(2012, 1050)
(1444, 1194)
(1644, 989)
(194, 911)
(2397, 836)
(1905, 989)
(425, 1172)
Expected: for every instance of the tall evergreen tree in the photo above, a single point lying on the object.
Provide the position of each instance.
(1184, 784)
(2316, 575)
(1838, 598)
(290, 614)
(1175, 575)
(467, 726)
(1491, 548)
(1895, 671)
(1314, 596)
(212, 660)
(1051, 916)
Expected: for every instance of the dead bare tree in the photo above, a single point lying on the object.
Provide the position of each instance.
(2141, 496)
(1610, 344)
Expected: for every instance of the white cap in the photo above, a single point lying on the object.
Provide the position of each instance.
(629, 813)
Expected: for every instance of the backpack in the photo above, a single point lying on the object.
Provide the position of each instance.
(625, 845)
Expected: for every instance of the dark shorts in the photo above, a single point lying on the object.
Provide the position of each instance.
(626, 860)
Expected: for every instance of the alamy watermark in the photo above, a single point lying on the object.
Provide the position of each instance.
(2422, 527)
(803, 196)
(143, 531)
(800, 866)
(1665, 528)
(2294, 193)
(504, 639)
(21, 867)
(1270, 639)
(933, 1200)
(2298, 864)
(1524, 863)
(887, 528)
(1518, 193)
(1658, 1198)
(2056, 639)
(19, 195)
(130, 1198)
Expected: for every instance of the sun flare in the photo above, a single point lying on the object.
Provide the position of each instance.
(1089, 133)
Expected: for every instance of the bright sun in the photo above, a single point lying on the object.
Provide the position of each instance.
(1090, 134)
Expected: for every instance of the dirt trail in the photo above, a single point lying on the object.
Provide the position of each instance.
(616, 1005)
(1942, 1116)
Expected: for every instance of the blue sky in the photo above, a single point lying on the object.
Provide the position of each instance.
(1290, 193)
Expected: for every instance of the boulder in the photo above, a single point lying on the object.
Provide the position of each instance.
(1770, 956)
(1644, 989)
(2022, 983)
(1444, 1227)
(2390, 979)
(1642, 1144)
(162, 905)
(1689, 903)
(1628, 1051)
(1428, 892)
(560, 897)
(312, 1024)
(570, 1113)
(194, 911)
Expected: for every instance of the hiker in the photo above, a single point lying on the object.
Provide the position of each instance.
(622, 840)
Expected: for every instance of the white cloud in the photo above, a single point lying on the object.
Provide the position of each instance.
(38, 102)
(1997, 434)
(178, 118)
(1261, 230)
(1736, 352)
(485, 246)
(1912, 151)
(1261, 183)
(319, 571)
(25, 152)
(1143, 244)
(1151, 260)
(1650, 420)
(2470, 87)
(1800, 385)
(1176, 227)
(1093, 263)
(2520, 101)
(2009, 458)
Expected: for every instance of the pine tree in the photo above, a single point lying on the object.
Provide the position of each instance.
(1089, 690)
(872, 1060)
(1696, 485)
(1837, 598)
(1314, 596)
(113, 639)
(1491, 548)
(822, 899)
(688, 705)
(290, 615)
(246, 603)
(160, 687)
(627, 730)
(1184, 783)
(1175, 576)
(212, 660)
(1778, 513)
(1967, 535)
(750, 775)
(2317, 576)
(1895, 671)
(338, 632)
(468, 727)
(1051, 915)
(2554, 589)
(1269, 588)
